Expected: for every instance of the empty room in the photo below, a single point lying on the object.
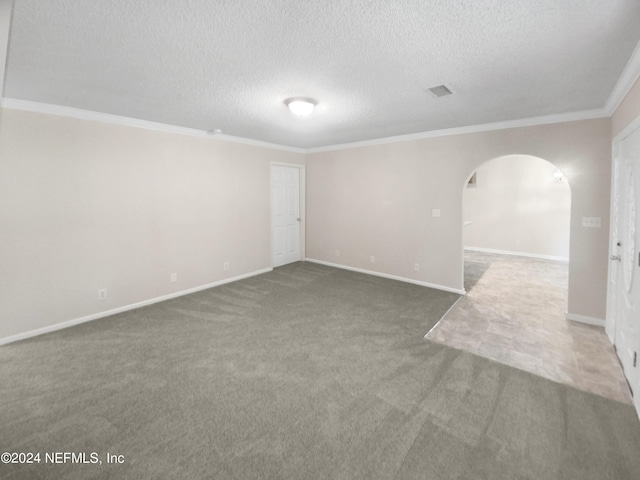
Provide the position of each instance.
(319, 239)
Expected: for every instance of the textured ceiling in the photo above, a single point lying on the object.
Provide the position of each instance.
(230, 64)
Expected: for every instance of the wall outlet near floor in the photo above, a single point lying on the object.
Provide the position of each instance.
(416, 267)
(173, 278)
(102, 294)
(435, 212)
(517, 243)
(225, 266)
(337, 253)
(372, 259)
(591, 222)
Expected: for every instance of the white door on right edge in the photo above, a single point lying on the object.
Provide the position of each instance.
(627, 335)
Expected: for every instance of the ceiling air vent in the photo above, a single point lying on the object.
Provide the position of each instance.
(440, 91)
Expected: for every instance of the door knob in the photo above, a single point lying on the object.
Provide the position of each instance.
(615, 257)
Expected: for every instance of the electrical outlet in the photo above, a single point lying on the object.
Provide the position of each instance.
(517, 243)
(102, 294)
(435, 212)
(337, 253)
(173, 278)
(225, 266)
(416, 267)
(372, 259)
(591, 222)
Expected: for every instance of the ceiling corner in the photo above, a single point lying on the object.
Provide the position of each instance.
(629, 76)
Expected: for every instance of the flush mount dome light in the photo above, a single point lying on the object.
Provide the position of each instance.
(301, 106)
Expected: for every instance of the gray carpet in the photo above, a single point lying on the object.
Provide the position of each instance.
(307, 372)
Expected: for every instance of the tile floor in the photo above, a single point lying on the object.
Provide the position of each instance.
(514, 313)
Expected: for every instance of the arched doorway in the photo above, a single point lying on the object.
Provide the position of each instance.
(516, 214)
(517, 205)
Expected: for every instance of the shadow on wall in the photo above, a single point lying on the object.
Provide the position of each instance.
(519, 205)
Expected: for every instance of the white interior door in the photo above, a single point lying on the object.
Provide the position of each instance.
(626, 259)
(285, 214)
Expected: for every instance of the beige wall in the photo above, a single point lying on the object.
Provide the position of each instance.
(517, 206)
(378, 200)
(627, 111)
(86, 205)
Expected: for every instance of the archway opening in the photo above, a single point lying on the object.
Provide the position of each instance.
(516, 205)
(516, 277)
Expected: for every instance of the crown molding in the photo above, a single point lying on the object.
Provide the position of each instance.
(631, 73)
(629, 76)
(50, 109)
(483, 127)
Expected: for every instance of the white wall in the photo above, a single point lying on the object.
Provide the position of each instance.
(517, 206)
(378, 201)
(87, 205)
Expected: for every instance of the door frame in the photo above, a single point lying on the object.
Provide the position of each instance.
(611, 320)
(612, 268)
(301, 205)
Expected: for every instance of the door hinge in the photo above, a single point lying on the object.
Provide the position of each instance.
(635, 358)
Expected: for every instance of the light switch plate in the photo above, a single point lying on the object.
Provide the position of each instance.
(591, 222)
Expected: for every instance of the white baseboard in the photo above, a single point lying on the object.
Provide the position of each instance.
(133, 306)
(386, 275)
(598, 322)
(517, 254)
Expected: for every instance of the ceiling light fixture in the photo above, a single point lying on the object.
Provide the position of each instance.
(301, 106)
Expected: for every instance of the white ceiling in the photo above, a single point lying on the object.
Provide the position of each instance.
(230, 64)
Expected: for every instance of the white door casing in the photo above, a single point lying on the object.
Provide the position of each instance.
(285, 214)
(623, 298)
(614, 244)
